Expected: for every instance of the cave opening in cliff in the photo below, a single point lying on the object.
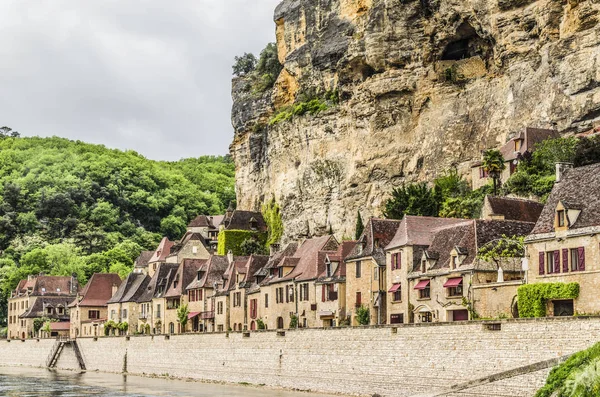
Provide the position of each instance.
(466, 44)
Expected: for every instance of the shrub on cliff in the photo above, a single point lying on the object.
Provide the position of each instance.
(244, 64)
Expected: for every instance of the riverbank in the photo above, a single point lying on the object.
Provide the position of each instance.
(403, 360)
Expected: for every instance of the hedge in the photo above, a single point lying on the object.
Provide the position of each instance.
(559, 376)
(232, 239)
(533, 297)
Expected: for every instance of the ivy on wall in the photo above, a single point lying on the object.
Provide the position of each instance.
(233, 239)
(533, 297)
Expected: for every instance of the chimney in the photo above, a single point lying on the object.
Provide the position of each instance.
(230, 257)
(273, 249)
(74, 284)
(561, 169)
(114, 289)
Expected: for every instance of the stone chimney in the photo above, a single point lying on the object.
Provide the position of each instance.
(230, 257)
(561, 169)
(115, 287)
(273, 249)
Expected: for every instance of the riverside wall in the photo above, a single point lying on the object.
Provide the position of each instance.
(407, 360)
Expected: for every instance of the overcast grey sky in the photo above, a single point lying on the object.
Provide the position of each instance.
(148, 75)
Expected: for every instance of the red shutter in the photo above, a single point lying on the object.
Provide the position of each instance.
(581, 258)
(556, 261)
(542, 264)
(565, 260)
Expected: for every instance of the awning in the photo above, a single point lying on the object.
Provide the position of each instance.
(326, 313)
(453, 282)
(192, 315)
(394, 288)
(422, 284)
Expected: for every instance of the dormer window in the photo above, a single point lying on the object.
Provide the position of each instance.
(280, 272)
(518, 144)
(328, 269)
(453, 262)
(423, 265)
(560, 214)
(253, 224)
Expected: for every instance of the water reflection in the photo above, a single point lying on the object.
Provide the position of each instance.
(25, 382)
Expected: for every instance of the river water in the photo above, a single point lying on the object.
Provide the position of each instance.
(26, 382)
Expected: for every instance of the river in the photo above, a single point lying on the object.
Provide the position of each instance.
(29, 382)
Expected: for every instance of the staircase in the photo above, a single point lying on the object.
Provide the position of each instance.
(57, 349)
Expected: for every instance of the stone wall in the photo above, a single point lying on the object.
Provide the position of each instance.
(404, 361)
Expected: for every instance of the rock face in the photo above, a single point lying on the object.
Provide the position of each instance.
(424, 85)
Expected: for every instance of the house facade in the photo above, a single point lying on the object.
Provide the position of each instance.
(564, 246)
(123, 306)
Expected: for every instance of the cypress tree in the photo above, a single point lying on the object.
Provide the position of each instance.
(359, 225)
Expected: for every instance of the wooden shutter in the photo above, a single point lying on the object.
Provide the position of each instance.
(557, 261)
(358, 299)
(542, 263)
(565, 260)
(581, 258)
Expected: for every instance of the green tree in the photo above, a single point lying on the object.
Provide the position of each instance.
(251, 246)
(359, 226)
(121, 269)
(502, 250)
(182, 316)
(244, 64)
(6, 132)
(411, 199)
(493, 164)
(363, 315)
(173, 227)
(587, 151)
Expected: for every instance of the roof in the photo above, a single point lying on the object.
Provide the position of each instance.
(159, 282)
(131, 289)
(40, 303)
(515, 209)
(213, 272)
(419, 230)
(337, 256)
(378, 234)
(98, 290)
(60, 326)
(468, 237)
(530, 137)
(47, 286)
(579, 188)
(186, 272)
(201, 221)
(162, 251)
(240, 220)
(144, 259)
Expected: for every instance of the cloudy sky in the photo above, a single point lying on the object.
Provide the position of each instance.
(147, 75)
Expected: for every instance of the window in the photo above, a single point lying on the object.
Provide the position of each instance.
(60, 310)
(124, 314)
(112, 314)
(237, 299)
(280, 272)
(304, 292)
(219, 307)
(453, 262)
(425, 293)
(94, 314)
(253, 308)
(158, 311)
(423, 265)
(483, 173)
(455, 291)
(397, 295)
(328, 267)
(48, 310)
(358, 265)
(517, 145)
(279, 295)
(550, 262)
(396, 261)
(426, 317)
(561, 218)
(289, 293)
(266, 300)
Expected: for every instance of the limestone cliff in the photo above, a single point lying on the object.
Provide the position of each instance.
(423, 85)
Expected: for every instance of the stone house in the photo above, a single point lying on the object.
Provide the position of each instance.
(289, 289)
(152, 301)
(331, 286)
(522, 144)
(221, 296)
(564, 246)
(191, 246)
(159, 256)
(123, 306)
(366, 276)
(200, 294)
(141, 263)
(208, 227)
(441, 286)
(413, 236)
(89, 309)
(37, 297)
(175, 295)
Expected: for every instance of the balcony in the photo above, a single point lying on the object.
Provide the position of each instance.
(207, 315)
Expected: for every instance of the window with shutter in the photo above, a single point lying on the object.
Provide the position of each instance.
(581, 258)
(565, 264)
(550, 262)
(574, 259)
(557, 261)
(542, 264)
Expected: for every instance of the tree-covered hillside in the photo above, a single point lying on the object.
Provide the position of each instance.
(68, 206)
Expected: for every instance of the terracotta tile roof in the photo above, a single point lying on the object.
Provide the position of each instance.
(98, 290)
(240, 220)
(159, 282)
(200, 221)
(131, 289)
(274, 260)
(186, 272)
(254, 263)
(40, 303)
(515, 209)
(52, 285)
(339, 257)
(378, 234)
(419, 230)
(468, 237)
(143, 259)
(530, 137)
(579, 189)
(214, 269)
(162, 251)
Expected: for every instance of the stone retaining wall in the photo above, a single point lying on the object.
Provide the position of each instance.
(391, 361)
